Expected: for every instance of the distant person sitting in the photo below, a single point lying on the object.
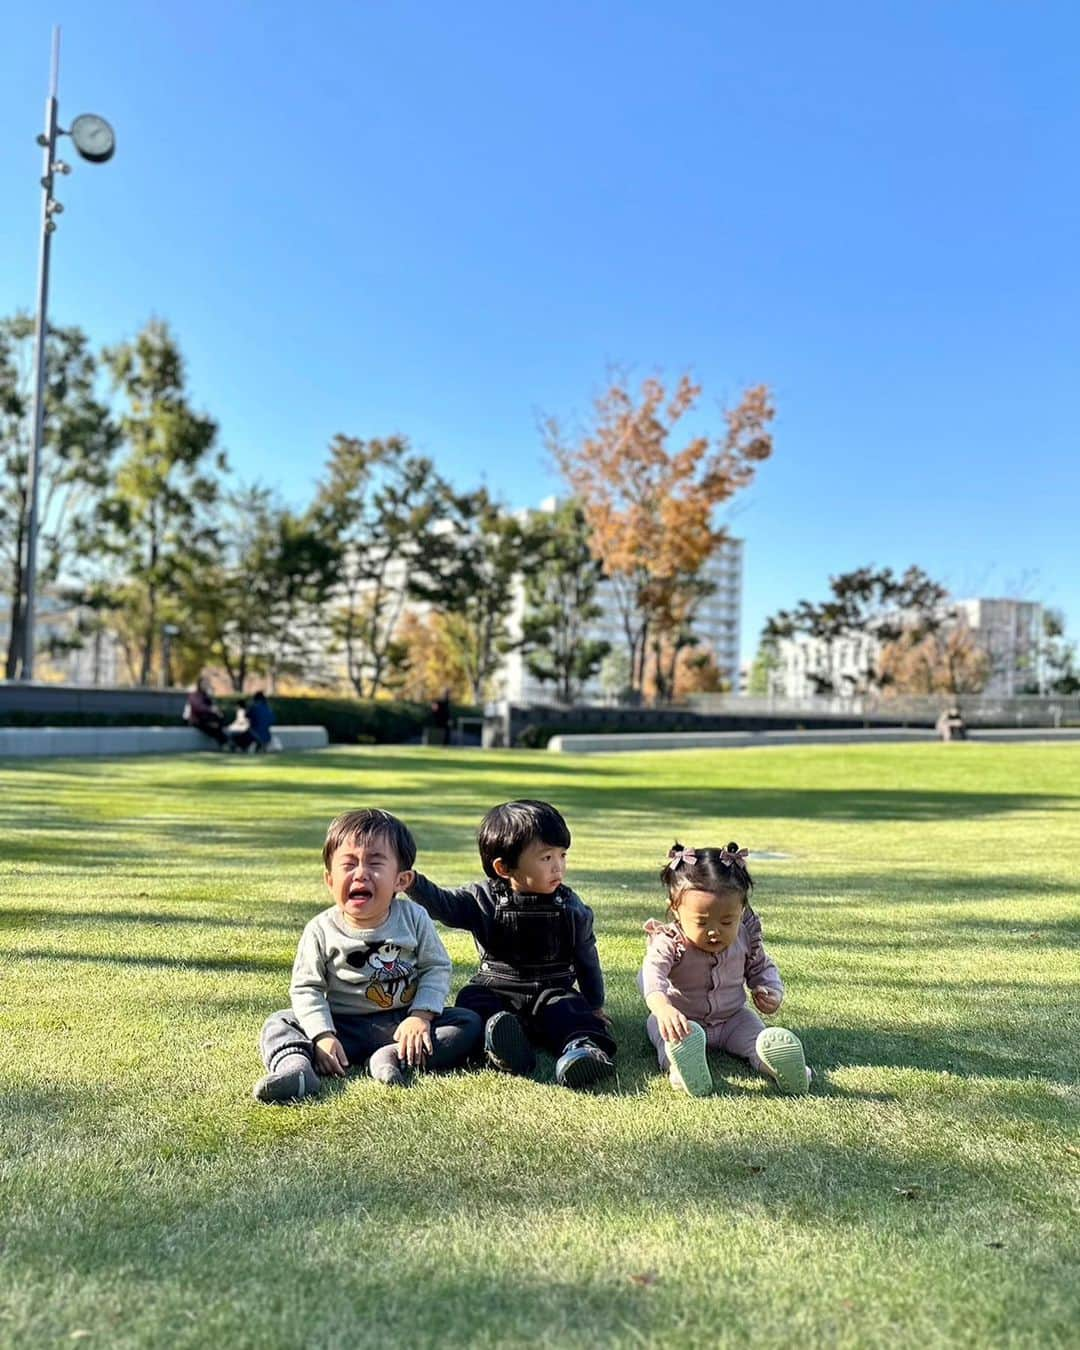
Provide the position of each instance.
(239, 729)
(260, 720)
(202, 713)
(440, 716)
(951, 725)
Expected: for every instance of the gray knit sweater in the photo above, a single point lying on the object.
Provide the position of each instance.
(402, 963)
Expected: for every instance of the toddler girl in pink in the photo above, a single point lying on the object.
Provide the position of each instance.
(698, 967)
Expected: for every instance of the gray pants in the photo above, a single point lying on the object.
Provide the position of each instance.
(454, 1034)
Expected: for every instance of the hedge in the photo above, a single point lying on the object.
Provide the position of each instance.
(348, 721)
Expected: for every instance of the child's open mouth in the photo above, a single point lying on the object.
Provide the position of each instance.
(359, 897)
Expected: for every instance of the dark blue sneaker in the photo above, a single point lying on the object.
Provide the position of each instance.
(582, 1065)
(506, 1047)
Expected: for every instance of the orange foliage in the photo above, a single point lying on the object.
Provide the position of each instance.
(433, 660)
(947, 661)
(651, 508)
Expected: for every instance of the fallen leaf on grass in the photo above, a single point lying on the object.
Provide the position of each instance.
(996, 1245)
(755, 1169)
(1071, 1148)
(646, 1279)
(909, 1192)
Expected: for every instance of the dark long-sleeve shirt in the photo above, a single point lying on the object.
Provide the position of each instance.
(473, 908)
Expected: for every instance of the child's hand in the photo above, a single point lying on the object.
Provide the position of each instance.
(413, 1038)
(766, 1000)
(330, 1056)
(673, 1025)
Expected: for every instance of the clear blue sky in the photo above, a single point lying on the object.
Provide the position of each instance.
(442, 219)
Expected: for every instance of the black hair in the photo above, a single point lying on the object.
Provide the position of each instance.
(365, 825)
(508, 829)
(705, 869)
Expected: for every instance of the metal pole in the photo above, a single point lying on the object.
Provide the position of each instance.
(48, 207)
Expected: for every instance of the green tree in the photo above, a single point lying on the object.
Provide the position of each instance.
(765, 662)
(155, 526)
(258, 605)
(561, 577)
(470, 574)
(1060, 671)
(80, 438)
(375, 506)
(872, 602)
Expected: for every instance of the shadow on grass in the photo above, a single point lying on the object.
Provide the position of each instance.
(248, 964)
(970, 1049)
(271, 917)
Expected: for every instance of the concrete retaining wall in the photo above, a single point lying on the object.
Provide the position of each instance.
(36, 742)
(730, 740)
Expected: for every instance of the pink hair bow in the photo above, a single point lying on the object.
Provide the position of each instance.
(740, 857)
(682, 855)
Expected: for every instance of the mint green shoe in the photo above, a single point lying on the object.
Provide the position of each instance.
(781, 1052)
(689, 1066)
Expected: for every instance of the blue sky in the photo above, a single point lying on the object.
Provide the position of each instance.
(446, 219)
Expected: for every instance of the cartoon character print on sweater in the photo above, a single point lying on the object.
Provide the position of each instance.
(393, 981)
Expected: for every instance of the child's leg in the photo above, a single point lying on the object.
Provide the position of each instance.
(652, 1030)
(686, 1065)
(563, 1023)
(773, 1051)
(737, 1035)
(505, 1044)
(455, 1033)
(289, 1057)
(560, 1016)
(371, 1037)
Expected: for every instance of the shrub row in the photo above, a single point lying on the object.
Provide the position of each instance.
(347, 721)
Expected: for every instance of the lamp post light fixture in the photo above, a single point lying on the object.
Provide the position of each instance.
(93, 138)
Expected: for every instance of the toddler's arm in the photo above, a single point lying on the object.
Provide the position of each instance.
(413, 1034)
(307, 995)
(590, 977)
(434, 966)
(655, 984)
(307, 988)
(458, 908)
(762, 978)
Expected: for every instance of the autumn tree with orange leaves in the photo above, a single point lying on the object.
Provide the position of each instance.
(946, 661)
(651, 508)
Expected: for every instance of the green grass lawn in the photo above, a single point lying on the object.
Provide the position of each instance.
(925, 919)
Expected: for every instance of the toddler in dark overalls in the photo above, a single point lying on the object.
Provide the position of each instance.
(539, 982)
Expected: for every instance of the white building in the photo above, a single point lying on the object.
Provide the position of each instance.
(718, 623)
(1011, 634)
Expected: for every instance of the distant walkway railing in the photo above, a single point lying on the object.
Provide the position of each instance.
(976, 709)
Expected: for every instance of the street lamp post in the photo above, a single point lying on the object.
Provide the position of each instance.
(94, 140)
(168, 632)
